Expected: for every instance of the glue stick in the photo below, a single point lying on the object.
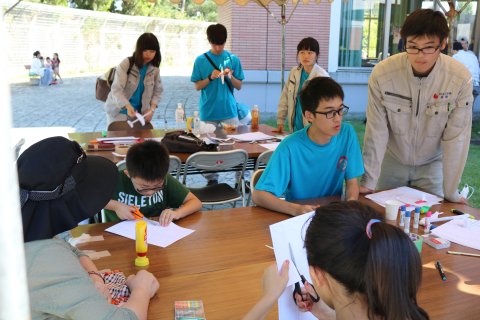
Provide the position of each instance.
(402, 215)
(141, 244)
(407, 222)
(427, 222)
(416, 217)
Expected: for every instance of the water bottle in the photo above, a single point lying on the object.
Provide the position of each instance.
(196, 124)
(255, 117)
(179, 116)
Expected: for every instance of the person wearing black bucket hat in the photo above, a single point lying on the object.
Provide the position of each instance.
(59, 187)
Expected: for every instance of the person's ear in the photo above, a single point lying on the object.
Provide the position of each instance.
(443, 44)
(318, 276)
(309, 116)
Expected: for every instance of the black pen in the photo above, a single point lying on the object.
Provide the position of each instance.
(456, 211)
(440, 271)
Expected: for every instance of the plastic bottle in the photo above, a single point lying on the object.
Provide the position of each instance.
(196, 124)
(255, 117)
(426, 230)
(179, 116)
(402, 215)
(416, 217)
(141, 245)
(407, 222)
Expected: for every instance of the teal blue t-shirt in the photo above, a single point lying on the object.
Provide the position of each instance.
(216, 101)
(303, 169)
(298, 121)
(136, 99)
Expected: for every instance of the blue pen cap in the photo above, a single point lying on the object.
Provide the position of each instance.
(403, 208)
(417, 209)
(407, 214)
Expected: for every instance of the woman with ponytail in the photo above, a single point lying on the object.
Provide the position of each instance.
(361, 267)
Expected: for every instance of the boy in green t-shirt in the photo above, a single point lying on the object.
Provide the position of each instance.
(147, 185)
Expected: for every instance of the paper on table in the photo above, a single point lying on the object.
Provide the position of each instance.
(111, 139)
(291, 231)
(408, 196)
(270, 146)
(457, 231)
(157, 235)
(251, 136)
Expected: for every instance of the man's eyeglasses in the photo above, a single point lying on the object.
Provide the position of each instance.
(331, 114)
(426, 50)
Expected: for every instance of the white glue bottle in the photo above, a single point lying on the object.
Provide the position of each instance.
(403, 209)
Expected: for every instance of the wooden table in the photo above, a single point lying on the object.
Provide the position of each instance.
(222, 263)
(253, 149)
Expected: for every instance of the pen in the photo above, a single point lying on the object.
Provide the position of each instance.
(464, 254)
(440, 271)
(455, 211)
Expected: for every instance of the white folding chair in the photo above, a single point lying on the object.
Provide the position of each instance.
(218, 161)
(262, 159)
(253, 182)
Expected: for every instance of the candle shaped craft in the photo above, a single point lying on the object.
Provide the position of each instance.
(141, 245)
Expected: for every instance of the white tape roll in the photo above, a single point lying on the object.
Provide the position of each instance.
(121, 149)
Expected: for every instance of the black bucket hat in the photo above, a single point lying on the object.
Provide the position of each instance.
(60, 186)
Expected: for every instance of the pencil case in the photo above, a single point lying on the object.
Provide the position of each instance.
(101, 146)
(436, 242)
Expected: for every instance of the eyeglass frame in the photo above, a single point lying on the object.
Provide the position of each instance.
(340, 112)
(150, 189)
(422, 49)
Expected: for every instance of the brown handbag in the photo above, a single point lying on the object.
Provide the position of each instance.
(104, 83)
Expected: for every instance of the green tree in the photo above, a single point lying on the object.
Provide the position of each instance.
(95, 5)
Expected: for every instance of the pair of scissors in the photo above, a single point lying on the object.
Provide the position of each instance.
(297, 289)
(139, 216)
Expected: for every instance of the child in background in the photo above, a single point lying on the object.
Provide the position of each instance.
(56, 67)
(352, 255)
(147, 185)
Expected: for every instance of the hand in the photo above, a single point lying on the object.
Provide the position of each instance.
(463, 201)
(279, 128)
(131, 111)
(365, 190)
(304, 208)
(101, 287)
(124, 211)
(228, 72)
(215, 74)
(304, 302)
(145, 281)
(167, 216)
(149, 116)
(274, 281)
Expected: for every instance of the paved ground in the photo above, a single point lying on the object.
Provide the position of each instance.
(71, 106)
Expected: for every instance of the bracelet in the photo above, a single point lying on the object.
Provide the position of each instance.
(97, 274)
(210, 77)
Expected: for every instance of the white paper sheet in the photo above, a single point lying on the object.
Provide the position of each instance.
(114, 139)
(251, 136)
(291, 231)
(406, 195)
(270, 146)
(465, 232)
(156, 235)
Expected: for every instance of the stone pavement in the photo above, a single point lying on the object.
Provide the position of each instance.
(71, 106)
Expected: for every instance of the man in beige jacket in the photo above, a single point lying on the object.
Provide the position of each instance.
(419, 114)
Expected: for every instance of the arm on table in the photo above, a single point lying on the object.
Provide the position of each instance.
(351, 189)
(190, 205)
(143, 287)
(267, 200)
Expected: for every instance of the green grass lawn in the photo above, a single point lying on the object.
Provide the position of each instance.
(471, 174)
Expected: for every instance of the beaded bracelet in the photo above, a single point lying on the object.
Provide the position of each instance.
(97, 274)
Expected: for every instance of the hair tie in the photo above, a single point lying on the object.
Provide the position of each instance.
(369, 226)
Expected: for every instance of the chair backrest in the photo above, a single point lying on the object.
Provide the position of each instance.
(174, 166)
(217, 161)
(123, 126)
(255, 177)
(263, 158)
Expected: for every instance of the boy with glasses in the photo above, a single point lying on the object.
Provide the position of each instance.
(419, 114)
(147, 185)
(315, 161)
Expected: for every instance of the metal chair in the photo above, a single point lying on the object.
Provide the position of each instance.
(123, 126)
(253, 182)
(174, 167)
(218, 161)
(262, 159)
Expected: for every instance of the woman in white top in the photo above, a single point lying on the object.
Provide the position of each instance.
(289, 106)
(38, 67)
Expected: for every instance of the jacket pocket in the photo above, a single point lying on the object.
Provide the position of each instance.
(436, 118)
(399, 115)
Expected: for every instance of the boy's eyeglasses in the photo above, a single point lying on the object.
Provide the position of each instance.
(156, 189)
(331, 114)
(426, 50)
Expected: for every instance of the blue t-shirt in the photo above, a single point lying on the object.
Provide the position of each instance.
(216, 101)
(303, 169)
(298, 121)
(136, 98)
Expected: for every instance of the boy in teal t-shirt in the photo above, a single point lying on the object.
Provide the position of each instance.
(147, 185)
(315, 161)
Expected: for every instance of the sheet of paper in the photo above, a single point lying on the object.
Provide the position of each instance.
(114, 139)
(406, 195)
(291, 231)
(156, 235)
(251, 136)
(270, 146)
(462, 231)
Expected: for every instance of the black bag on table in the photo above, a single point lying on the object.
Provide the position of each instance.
(185, 142)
